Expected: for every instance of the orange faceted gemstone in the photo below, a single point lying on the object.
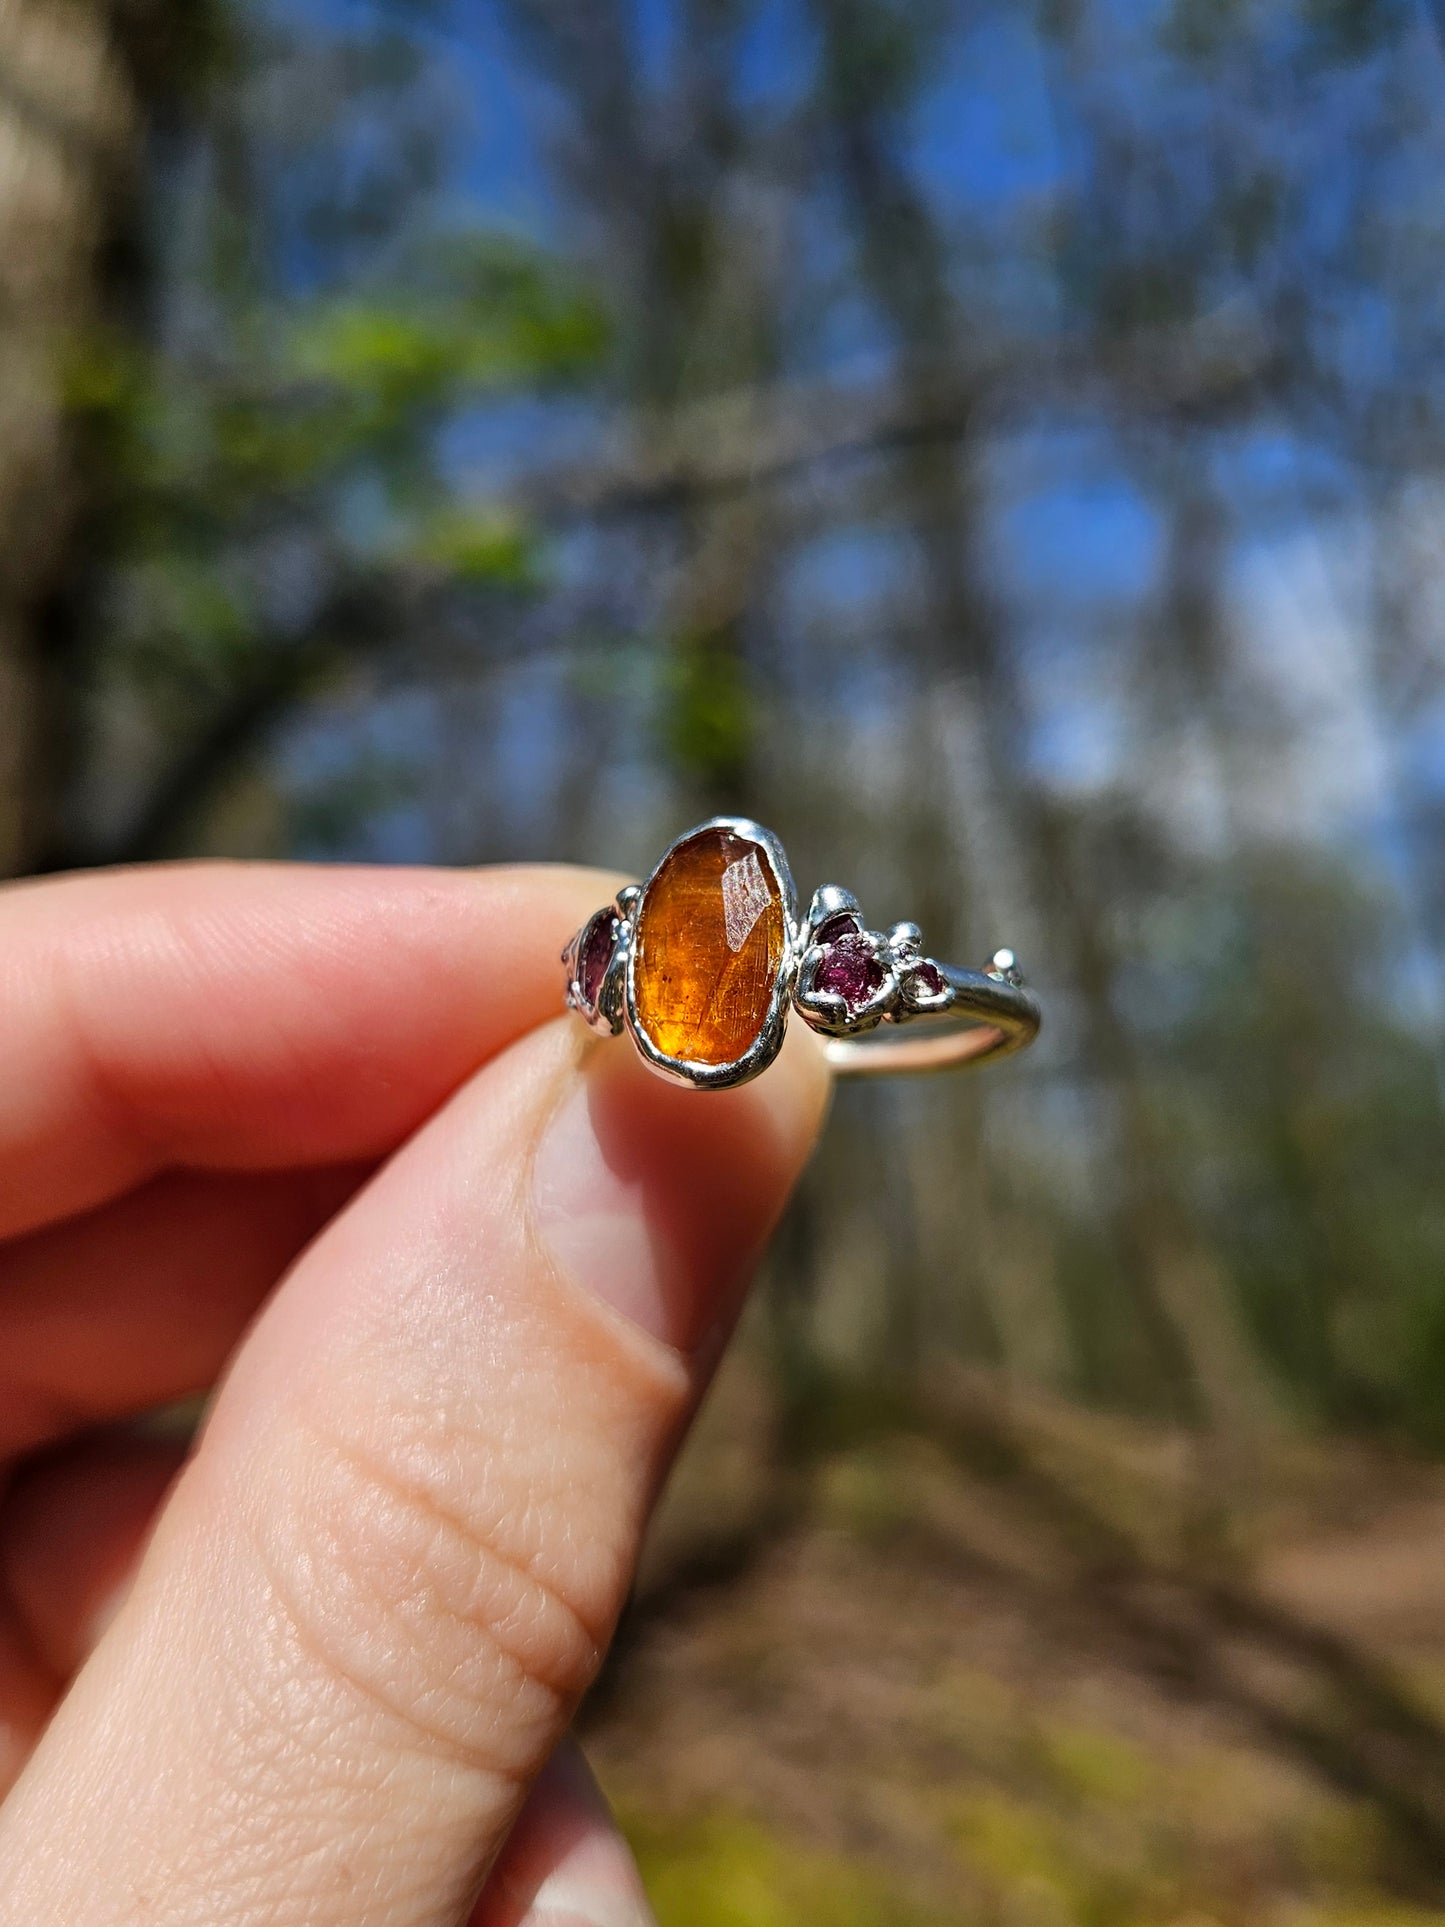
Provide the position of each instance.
(710, 935)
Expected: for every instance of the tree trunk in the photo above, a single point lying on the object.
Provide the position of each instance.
(69, 141)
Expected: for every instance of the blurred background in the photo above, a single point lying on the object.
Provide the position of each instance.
(999, 444)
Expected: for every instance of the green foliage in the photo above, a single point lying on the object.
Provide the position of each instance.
(311, 423)
(1061, 1824)
(707, 708)
(1323, 1148)
(491, 316)
(481, 547)
(272, 429)
(724, 1870)
(302, 397)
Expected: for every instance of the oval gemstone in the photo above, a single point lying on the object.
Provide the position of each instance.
(711, 931)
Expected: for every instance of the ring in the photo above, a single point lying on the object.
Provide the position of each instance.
(702, 962)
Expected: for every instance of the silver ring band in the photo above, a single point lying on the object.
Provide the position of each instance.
(992, 1016)
(703, 963)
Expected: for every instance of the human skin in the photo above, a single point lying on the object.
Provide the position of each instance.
(462, 1273)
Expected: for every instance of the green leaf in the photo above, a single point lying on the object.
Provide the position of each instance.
(481, 545)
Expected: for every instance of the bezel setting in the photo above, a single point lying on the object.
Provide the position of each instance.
(903, 989)
(768, 1042)
(604, 1014)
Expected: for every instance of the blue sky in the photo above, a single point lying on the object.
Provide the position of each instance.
(1075, 545)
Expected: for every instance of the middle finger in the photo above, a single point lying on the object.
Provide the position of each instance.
(141, 1301)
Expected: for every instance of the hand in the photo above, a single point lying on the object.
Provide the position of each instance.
(313, 1675)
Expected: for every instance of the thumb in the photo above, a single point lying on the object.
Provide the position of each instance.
(390, 1570)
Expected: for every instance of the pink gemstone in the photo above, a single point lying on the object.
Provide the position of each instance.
(842, 923)
(929, 979)
(850, 970)
(595, 955)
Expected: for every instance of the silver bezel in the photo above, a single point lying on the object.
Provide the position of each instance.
(899, 955)
(768, 1042)
(605, 1017)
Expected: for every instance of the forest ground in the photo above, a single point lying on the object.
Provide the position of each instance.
(1028, 1667)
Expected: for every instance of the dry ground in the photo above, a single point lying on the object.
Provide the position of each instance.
(1035, 1668)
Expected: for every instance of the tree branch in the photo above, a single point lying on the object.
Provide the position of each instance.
(761, 436)
(360, 621)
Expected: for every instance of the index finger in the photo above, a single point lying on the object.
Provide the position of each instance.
(252, 1017)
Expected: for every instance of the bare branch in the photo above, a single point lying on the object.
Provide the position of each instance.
(763, 436)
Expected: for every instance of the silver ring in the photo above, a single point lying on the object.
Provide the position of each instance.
(702, 963)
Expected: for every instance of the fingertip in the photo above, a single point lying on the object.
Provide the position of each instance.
(802, 1090)
(565, 1864)
(242, 1017)
(657, 1198)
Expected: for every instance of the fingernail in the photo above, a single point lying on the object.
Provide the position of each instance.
(657, 1199)
(592, 1217)
(571, 1907)
(566, 1865)
(595, 1885)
